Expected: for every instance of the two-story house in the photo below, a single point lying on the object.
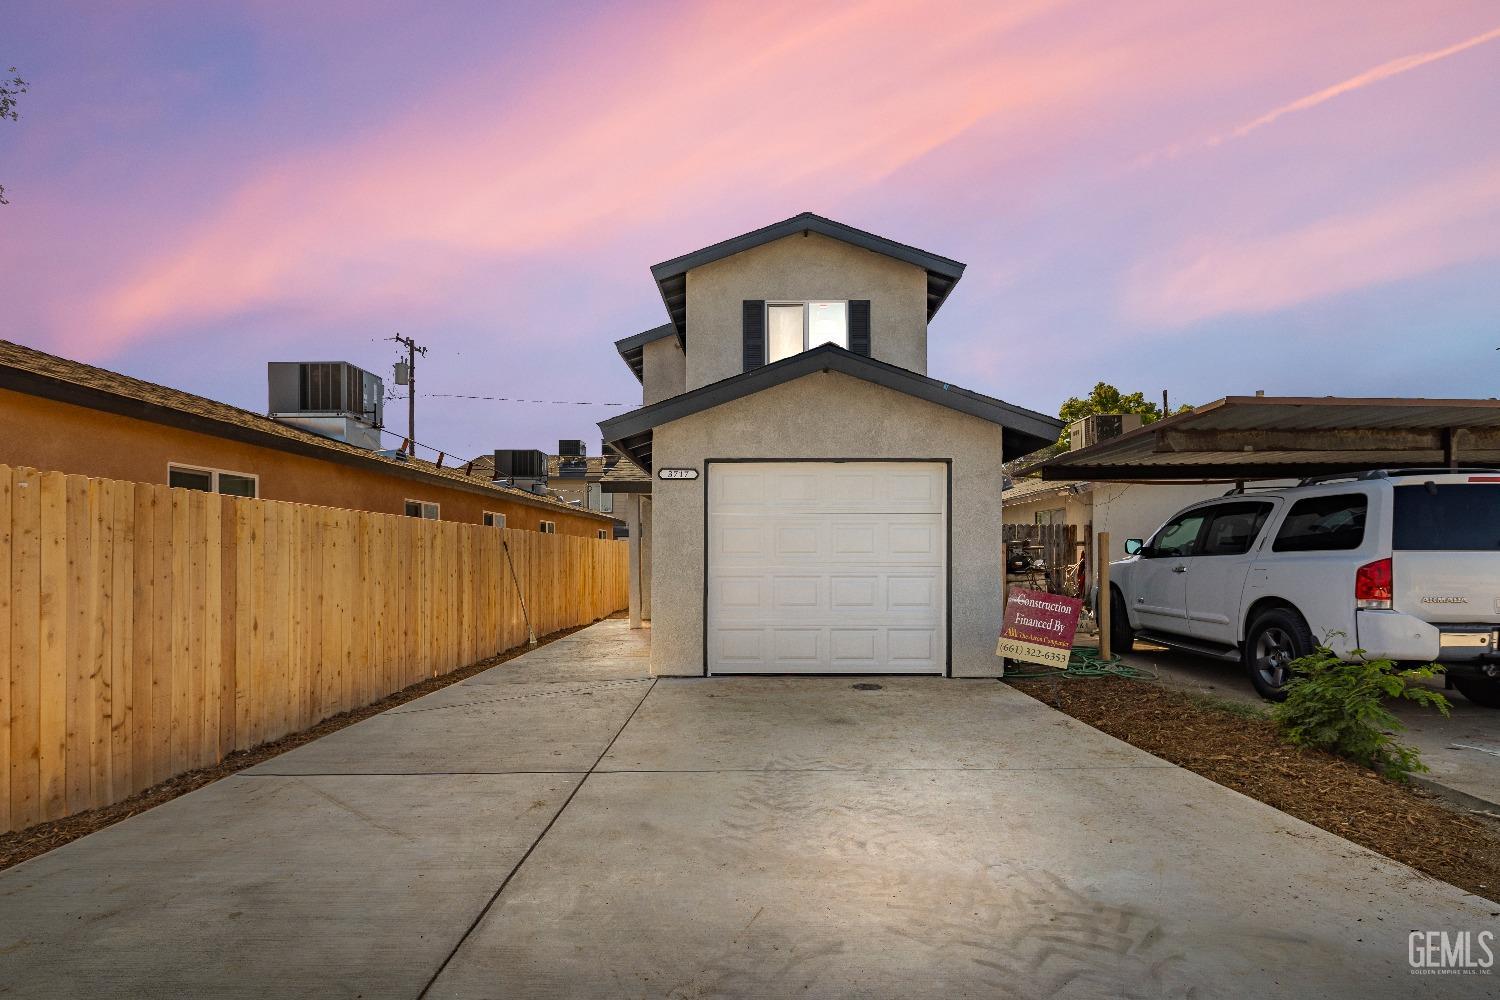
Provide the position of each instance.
(818, 504)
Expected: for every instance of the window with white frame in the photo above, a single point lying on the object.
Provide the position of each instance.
(548, 527)
(231, 484)
(422, 508)
(794, 327)
(604, 533)
(493, 519)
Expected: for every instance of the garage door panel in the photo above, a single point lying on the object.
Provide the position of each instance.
(827, 568)
(798, 593)
(798, 648)
(852, 648)
(913, 648)
(812, 488)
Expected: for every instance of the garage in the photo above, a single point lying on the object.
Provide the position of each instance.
(827, 567)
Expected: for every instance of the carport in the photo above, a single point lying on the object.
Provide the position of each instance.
(1245, 438)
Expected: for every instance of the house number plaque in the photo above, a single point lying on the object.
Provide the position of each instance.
(677, 474)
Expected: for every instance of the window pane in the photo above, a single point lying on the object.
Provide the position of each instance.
(1176, 539)
(783, 332)
(1323, 524)
(236, 486)
(191, 479)
(1234, 529)
(1454, 517)
(827, 323)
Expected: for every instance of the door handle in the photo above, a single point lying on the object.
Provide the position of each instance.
(1179, 569)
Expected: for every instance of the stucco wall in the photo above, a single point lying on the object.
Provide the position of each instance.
(663, 371)
(803, 268)
(827, 415)
(46, 434)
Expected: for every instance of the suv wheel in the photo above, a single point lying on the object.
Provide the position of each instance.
(1275, 639)
(1121, 635)
(1480, 690)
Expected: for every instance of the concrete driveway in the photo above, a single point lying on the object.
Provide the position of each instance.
(1462, 749)
(564, 826)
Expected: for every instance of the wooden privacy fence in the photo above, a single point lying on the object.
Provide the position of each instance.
(146, 631)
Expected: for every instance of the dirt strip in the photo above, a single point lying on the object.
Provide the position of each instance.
(1241, 749)
(43, 837)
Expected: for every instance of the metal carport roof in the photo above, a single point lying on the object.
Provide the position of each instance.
(1271, 437)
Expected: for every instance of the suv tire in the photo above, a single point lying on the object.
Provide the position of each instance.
(1275, 638)
(1480, 690)
(1121, 635)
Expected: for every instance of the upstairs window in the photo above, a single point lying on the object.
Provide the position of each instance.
(231, 484)
(794, 327)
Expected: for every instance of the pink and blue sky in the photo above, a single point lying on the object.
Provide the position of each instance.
(1211, 198)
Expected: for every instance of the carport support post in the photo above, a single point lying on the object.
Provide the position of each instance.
(1101, 602)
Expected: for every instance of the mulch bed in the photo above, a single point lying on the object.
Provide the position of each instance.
(1247, 754)
(28, 843)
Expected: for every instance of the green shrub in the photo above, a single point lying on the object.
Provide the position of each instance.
(1336, 705)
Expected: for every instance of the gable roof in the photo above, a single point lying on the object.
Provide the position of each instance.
(633, 349)
(671, 275)
(1026, 430)
(36, 373)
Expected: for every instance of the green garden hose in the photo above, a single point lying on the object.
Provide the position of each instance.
(1085, 661)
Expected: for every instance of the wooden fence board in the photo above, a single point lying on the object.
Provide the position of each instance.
(146, 630)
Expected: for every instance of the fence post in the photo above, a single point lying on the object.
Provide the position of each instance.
(1101, 603)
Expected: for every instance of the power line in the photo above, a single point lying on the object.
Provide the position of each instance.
(512, 399)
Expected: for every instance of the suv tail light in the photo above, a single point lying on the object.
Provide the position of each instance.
(1372, 585)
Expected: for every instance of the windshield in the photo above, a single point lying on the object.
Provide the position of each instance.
(1454, 517)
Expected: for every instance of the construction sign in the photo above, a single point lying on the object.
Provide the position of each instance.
(1038, 627)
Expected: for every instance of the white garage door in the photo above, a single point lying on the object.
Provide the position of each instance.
(827, 567)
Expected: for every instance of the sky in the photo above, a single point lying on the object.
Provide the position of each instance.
(1210, 198)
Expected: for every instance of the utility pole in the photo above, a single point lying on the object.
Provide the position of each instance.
(1164, 411)
(406, 374)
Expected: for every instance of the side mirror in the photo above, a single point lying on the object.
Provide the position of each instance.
(1132, 546)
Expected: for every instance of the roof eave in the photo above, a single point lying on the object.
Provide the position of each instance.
(1024, 430)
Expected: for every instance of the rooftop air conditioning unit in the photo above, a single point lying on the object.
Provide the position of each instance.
(1091, 430)
(572, 458)
(525, 468)
(332, 398)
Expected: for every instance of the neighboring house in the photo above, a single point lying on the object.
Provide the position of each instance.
(1125, 510)
(820, 505)
(70, 417)
(573, 480)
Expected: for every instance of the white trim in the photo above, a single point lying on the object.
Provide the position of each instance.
(437, 509)
(214, 475)
(494, 514)
(604, 534)
(547, 527)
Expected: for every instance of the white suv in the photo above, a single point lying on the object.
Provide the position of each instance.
(1403, 564)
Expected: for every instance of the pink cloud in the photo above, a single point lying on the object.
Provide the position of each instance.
(1450, 221)
(601, 145)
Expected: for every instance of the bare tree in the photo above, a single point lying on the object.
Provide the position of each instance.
(10, 89)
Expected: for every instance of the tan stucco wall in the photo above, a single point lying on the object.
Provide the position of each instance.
(827, 415)
(663, 371)
(46, 434)
(803, 268)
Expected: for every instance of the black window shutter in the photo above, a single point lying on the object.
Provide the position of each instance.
(755, 333)
(859, 326)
